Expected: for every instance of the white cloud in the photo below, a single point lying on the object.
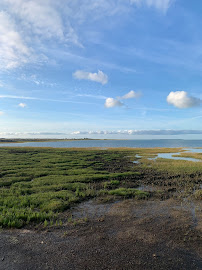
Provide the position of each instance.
(1, 113)
(131, 94)
(162, 5)
(13, 50)
(96, 77)
(115, 102)
(112, 102)
(22, 105)
(180, 99)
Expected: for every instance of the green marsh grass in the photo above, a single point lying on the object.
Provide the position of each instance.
(37, 184)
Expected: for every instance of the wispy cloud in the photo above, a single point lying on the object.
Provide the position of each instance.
(1, 113)
(19, 97)
(34, 79)
(91, 96)
(181, 100)
(162, 5)
(99, 77)
(45, 99)
(43, 19)
(131, 94)
(76, 58)
(26, 26)
(13, 50)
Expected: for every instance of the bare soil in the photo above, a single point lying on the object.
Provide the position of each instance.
(126, 234)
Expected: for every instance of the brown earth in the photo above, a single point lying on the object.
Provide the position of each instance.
(128, 234)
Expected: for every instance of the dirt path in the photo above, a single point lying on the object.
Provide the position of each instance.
(124, 235)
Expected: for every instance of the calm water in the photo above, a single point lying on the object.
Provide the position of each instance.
(170, 156)
(111, 143)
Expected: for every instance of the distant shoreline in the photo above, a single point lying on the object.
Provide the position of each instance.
(22, 140)
(27, 140)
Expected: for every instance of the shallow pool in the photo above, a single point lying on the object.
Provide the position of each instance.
(170, 156)
(173, 155)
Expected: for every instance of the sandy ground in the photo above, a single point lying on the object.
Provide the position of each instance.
(127, 234)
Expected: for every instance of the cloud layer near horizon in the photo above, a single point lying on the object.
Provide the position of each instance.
(140, 132)
(107, 132)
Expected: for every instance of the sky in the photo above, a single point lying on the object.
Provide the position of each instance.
(128, 69)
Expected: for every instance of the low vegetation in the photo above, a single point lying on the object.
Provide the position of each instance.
(36, 184)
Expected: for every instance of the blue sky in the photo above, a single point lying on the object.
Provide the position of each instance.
(103, 69)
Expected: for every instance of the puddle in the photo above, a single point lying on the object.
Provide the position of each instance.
(139, 210)
(193, 150)
(150, 209)
(91, 209)
(171, 155)
(137, 161)
(191, 207)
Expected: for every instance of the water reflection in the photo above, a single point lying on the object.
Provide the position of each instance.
(170, 156)
(174, 157)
